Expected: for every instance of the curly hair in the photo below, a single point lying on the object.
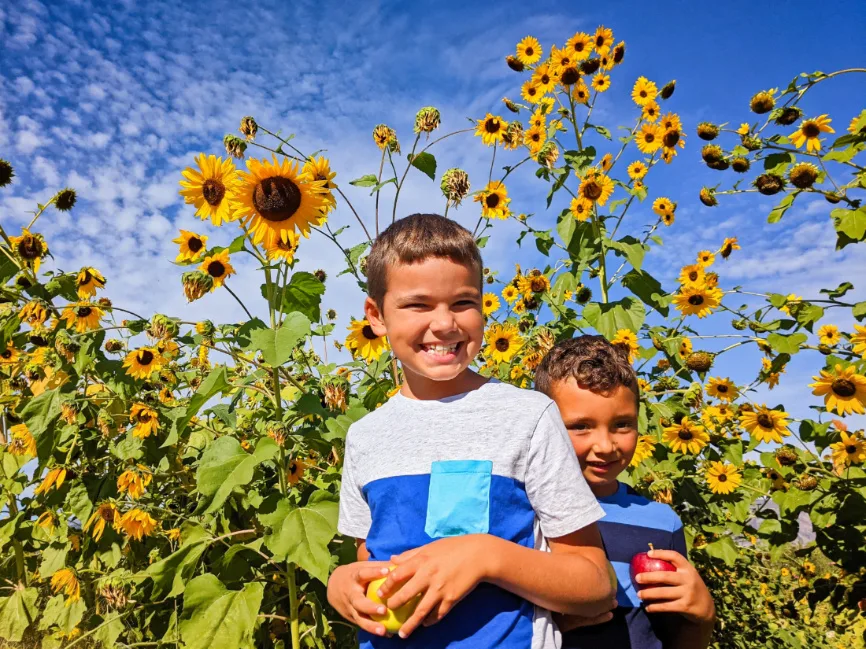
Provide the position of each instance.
(592, 361)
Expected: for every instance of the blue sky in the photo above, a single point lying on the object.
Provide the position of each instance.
(114, 99)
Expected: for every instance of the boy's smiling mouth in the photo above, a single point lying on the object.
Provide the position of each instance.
(441, 351)
(601, 467)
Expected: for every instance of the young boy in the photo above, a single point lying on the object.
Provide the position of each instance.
(596, 390)
(459, 481)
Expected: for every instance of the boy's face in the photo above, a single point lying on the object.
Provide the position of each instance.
(431, 314)
(602, 428)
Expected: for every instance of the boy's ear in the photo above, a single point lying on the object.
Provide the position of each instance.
(374, 317)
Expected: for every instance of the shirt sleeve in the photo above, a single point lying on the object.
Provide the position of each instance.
(354, 519)
(554, 482)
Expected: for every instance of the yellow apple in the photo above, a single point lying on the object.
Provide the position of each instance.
(393, 619)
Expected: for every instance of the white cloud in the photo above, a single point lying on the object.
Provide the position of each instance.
(46, 170)
(29, 141)
(24, 86)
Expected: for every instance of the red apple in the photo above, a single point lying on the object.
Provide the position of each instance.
(642, 562)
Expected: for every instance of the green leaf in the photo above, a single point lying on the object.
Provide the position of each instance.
(565, 227)
(338, 426)
(631, 249)
(560, 181)
(365, 181)
(225, 466)
(277, 346)
(606, 319)
(304, 535)
(778, 212)
(171, 573)
(424, 162)
(839, 291)
(78, 502)
(56, 613)
(846, 155)
(601, 130)
(777, 163)
(579, 160)
(39, 414)
(353, 256)
(647, 288)
(237, 244)
(217, 618)
(724, 549)
(543, 241)
(786, 344)
(7, 269)
(303, 294)
(216, 381)
(859, 310)
(53, 558)
(852, 223)
(108, 629)
(17, 612)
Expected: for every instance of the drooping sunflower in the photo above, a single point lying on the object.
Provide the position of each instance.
(697, 300)
(53, 480)
(29, 248)
(284, 249)
(581, 208)
(858, 340)
(489, 303)
(503, 342)
(601, 82)
(145, 420)
(544, 78)
(706, 258)
(649, 139)
(83, 316)
(579, 46)
(772, 378)
(66, 580)
(766, 425)
(134, 481)
(219, 267)
(723, 478)
(192, 246)
(510, 293)
(644, 91)
(88, 280)
(595, 187)
(296, 471)
(809, 131)
(33, 313)
(580, 92)
(494, 200)
(274, 198)
(728, 246)
(105, 513)
(23, 443)
(136, 524)
(843, 390)
(829, 335)
(606, 162)
(663, 206)
(637, 170)
(722, 389)
(363, 342)
(140, 363)
(529, 50)
(687, 437)
(850, 449)
(603, 39)
(531, 92)
(211, 188)
(319, 170)
(491, 129)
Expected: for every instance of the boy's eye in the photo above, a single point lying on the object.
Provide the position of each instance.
(580, 428)
(624, 424)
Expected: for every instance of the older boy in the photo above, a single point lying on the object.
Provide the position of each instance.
(596, 391)
(459, 480)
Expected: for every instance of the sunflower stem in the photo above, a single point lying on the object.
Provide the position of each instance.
(243, 306)
(400, 184)
(378, 181)
(294, 622)
(39, 213)
(602, 267)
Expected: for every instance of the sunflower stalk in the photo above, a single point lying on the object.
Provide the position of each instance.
(378, 181)
(400, 184)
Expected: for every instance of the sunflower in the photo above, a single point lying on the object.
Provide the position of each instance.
(601, 82)
(33, 313)
(140, 363)
(581, 208)
(104, 513)
(668, 219)
(697, 300)
(646, 445)
(145, 420)
(595, 187)
(296, 471)
(22, 442)
(531, 92)
(84, 316)
(772, 378)
(671, 121)
(88, 280)
(663, 206)
(529, 50)
(687, 437)
(274, 199)
(136, 524)
(489, 303)
(728, 246)
(829, 335)
(843, 390)
(766, 425)
(284, 249)
(858, 340)
(706, 258)
(47, 521)
(722, 389)
(561, 60)
(533, 284)
(544, 78)
(491, 129)
(579, 46)
(134, 481)
(538, 119)
(650, 111)
(644, 91)
(503, 342)
(494, 200)
(219, 267)
(53, 479)
(30, 248)
(637, 170)
(319, 170)
(809, 131)
(723, 478)
(603, 39)
(510, 293)
(363, 342)
(606, 162)
(65, 580)
(211, 188)
(192, 246)
(534, 138)
(580, 92)
(851, 449)
(628, 339)
(649, 139)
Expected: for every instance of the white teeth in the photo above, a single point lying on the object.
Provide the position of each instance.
(441, 349)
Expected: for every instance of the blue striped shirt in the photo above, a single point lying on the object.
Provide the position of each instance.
(630, 523)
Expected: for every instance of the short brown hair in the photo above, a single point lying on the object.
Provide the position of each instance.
(414, 239)
(592, 361)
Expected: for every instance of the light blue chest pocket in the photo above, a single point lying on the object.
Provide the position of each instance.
(459, 499)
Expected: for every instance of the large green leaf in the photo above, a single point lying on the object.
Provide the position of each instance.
(303, 535)
(724, 549)
(303, 293)
(225, 465)
(647, 288)
(786, 344)
(171, 574)
(630, 248)
(276, 345)
(424, 162)
(607, 319)
(216, 381)
(57, 613)
(17, 612)
(852, 223)
(39, 414)
(78, 502)
(217, 618)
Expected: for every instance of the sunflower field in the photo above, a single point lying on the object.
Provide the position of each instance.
(167, 482)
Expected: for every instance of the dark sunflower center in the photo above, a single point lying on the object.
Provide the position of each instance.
(213, 191)
(649, 138)
(492, 200)
(592, 190)
(529, 51)
(195, 244)
(538, 285)
(531, 91)
(696, 300)
(367, 332)
(107, 513)
(488, 303)
(579, 46)
(671, 138)
(693, 276)
(492, 126)
(765, 421)
(570, 76)
(277, 199)
(685, 435)
(83, 311)
(6, 353)
(30, 248)
(722, 389)
(844, 388)
(502, 344)
(722, 477)
(810, 129)
(599, 41)
(144, 418)
(293, 469)
(145, 357)
(643, 94)
(85, 278)
(216, 269)
(773, 475)
(545, 79)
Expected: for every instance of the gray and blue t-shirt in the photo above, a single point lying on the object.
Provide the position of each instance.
(495, 460)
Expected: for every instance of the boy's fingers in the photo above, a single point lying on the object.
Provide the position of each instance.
(663, 607)
(395, 580)
(673, 556)
(660, 577)
(369, 625)
(665, 593)
(411, 588)
(366, 606)
(397, 559)
(369, 573)
(425, 607)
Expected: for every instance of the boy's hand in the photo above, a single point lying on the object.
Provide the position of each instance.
(569, 622)
(444, 572)
(347, 593)
(680, 592)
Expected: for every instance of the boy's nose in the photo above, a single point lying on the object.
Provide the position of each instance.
(443, 321)
(604, 445)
